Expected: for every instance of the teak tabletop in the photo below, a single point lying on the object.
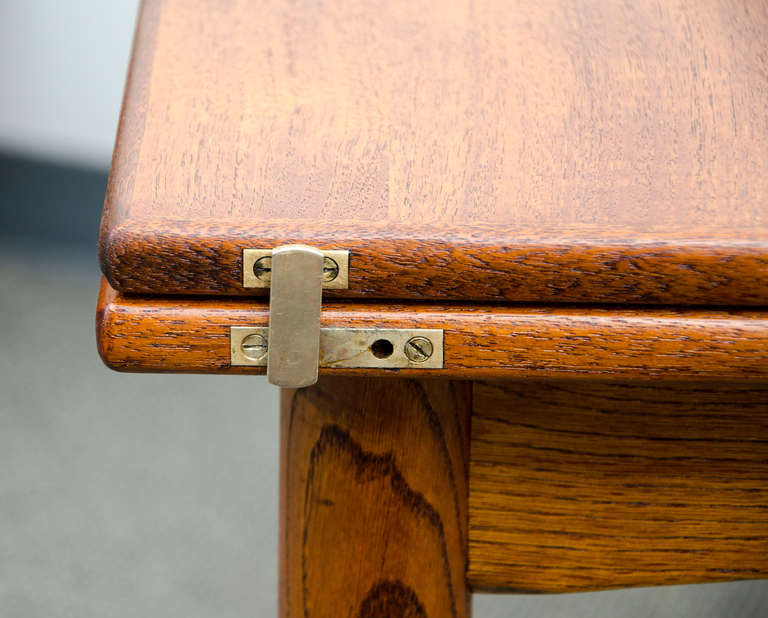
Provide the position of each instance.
(548, 221)
(547, 152)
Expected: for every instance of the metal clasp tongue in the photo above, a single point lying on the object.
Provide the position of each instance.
(293, 346)
(294, 316)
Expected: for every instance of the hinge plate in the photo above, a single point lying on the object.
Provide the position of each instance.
(257, 268)
(371, 348)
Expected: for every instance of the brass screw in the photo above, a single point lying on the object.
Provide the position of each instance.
(262, 268)
(330, 269)
(418, 349)
(254, 347)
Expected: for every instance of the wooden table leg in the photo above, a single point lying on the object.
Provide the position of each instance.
(373, 498)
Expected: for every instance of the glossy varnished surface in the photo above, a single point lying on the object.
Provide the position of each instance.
(582, 486)
(374, 499)
(554, 151)
(192, 335)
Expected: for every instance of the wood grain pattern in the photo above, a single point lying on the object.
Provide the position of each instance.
(192, 335)
(582, 486)
(558, 151)
(373, 499)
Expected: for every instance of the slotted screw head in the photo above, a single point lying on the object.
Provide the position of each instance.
(418, 349)
(262, 268)
(254, 347)
(330, 269)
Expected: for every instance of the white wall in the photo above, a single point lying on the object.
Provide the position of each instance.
(62, 70)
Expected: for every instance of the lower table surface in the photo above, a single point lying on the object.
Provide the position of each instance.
(628, 448)
(182, 334)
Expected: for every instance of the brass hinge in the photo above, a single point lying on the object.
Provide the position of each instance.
(294, 345)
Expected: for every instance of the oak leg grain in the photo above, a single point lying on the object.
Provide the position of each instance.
(374, 482)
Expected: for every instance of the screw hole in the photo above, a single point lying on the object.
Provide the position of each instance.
(382, 348)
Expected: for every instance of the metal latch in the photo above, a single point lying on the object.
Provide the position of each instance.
(294, 345)
(257, 268)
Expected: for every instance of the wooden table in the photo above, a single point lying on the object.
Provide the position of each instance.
(569, 200)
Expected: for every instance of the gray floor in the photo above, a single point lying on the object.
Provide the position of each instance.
(156, 495)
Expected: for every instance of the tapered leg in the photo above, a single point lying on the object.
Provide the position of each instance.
(373, 499)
